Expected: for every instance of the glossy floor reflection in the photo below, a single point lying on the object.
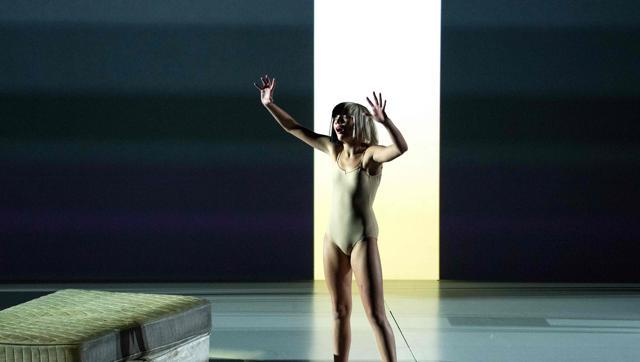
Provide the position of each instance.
(432, 321)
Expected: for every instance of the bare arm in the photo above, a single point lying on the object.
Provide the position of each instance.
(387, 153)
(315, 140)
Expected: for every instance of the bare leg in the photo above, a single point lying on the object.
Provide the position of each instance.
(337, 273)
(365, 260)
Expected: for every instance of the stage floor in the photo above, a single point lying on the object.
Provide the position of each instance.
(432, 320)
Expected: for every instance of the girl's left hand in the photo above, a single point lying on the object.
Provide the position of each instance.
(378, 112)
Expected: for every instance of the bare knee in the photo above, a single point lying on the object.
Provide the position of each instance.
(341, 311)
(377, 317)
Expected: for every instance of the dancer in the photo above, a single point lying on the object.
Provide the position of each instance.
(351, 239)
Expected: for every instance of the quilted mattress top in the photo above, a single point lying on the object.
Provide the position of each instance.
(87, 319)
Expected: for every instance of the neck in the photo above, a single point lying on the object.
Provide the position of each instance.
(349, 148)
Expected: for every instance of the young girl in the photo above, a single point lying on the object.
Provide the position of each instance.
(351, 239)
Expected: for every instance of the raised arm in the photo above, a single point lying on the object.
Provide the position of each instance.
(315, 140)
(386, 153)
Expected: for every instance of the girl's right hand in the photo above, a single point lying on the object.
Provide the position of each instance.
(266, 91)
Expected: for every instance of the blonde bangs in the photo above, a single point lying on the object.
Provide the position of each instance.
(364, 130)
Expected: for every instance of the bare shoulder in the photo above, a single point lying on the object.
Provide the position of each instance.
(370, 150)
(382, 154)
(368, 163)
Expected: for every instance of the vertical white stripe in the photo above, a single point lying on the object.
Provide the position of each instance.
(394, 48)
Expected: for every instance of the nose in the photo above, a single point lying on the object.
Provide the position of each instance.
(342, 119)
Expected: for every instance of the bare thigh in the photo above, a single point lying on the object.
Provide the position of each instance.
(365, 260)
(338, 274)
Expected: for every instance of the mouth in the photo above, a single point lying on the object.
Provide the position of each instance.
(339, 130)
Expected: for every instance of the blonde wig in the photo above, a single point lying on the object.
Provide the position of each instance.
(364, 127)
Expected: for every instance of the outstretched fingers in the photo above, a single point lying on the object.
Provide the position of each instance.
(266, 83)
(371, 104)
(378, 100)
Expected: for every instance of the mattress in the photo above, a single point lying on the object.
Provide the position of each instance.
(83, 325)
(196, 350)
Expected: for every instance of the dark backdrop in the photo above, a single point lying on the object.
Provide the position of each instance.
(133, 145)
(540, 140)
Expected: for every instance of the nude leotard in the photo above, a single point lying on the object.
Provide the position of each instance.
(352, 218)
